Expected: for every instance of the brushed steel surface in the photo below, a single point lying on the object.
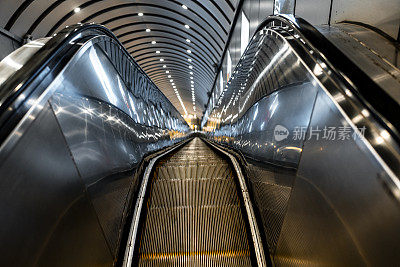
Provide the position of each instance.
(81, 142)
(45, 213)
(15, 60)
(332, 202)
(194, 215)
(371, 52)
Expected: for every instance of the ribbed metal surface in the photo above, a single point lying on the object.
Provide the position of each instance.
(193, 213)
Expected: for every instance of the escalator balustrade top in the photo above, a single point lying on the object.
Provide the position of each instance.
(193, 213)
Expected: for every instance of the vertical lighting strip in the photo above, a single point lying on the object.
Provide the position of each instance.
(169, 76)
(190, 60)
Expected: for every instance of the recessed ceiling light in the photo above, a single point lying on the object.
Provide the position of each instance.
(157, 52)
(191, 73)
(173, 83)
(169, 76)
(148, 30)
(171, 80)
(140, 14)
(77, 9)
(167, 71)
(161, 59)
(189, 51)
(187, 26)
(191, 78)
(184, 7)
(174, 86)
(191, 81)
(187, 40)
(189, 59)
(190, 67)
(164, 66)
(153, 42)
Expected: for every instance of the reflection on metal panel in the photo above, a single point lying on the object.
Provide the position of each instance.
(90, 129)
(321, 200)
(284, 7)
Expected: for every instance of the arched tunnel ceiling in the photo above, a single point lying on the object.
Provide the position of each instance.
(178, 31)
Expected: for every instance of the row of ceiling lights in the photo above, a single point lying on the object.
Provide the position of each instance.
(169, 76)
(77, 9)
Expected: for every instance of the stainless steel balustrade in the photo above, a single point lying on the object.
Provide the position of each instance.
(321, 201)
(70, 167)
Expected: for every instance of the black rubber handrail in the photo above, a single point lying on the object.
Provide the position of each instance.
(41, 69)
(380, 104)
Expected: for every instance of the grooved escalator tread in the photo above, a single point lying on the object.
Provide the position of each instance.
(194, 216)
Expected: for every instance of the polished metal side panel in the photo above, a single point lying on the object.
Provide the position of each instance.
(284, 6)
(46, 217)
(382, 14)
(323, 201)
(290, 109)
(14, 61)
(340, 211)
(371, 52)
(315, 12)
(97, 115)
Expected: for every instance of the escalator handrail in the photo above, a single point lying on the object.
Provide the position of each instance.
(50, 60)
(379, 104)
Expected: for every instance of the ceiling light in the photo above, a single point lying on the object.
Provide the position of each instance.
(191, 78)
(191, 81)
(148, 30)
(77, 9)
(191, 73)
(140, 14)
(189, 51)
(187, 26)
(187, 40)
(169, 76)
(167, 71)
(184, 7)
(161, 59)
(157, 52)
(190, 67)
(153, 42)
(171, 80)
(189, 59)
(172, 83)
(164, 66)
(174, 86)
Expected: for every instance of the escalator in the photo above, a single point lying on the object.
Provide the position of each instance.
(99, 168)
(194, 213)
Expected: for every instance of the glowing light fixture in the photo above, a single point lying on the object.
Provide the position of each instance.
(77, 9)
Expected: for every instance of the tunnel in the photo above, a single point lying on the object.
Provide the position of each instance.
(199, 133)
